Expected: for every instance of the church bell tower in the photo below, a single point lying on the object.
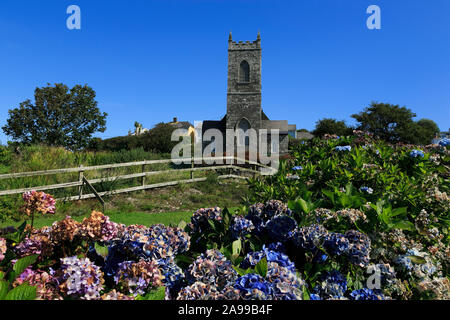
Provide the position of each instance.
(244, 84)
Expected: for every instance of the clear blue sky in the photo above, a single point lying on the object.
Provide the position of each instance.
(150, 61)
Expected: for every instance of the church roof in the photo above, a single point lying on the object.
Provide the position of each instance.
(281, 125)
(214, 124)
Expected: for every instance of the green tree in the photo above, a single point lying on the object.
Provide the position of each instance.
(59, 117)
(428, 130)
(393, 123)
(389, 122)
(331, 126)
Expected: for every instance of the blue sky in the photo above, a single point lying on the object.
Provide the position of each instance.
(150, 61)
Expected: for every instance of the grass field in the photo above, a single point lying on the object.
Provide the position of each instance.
(128, 218)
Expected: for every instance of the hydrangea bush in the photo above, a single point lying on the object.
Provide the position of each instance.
(362, 220)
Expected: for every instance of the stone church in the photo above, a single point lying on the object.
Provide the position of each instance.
(244, 110)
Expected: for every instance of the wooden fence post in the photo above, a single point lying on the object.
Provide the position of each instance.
(143, 177)
(192, 167)
(80, 179)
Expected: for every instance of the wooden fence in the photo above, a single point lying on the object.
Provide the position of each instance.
(82, 182)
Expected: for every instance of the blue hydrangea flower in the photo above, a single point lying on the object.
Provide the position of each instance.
(287, 285)
(336, 244)
(251, 285)
(366, 190)
(359, 248)
(276, 246)
(241, 227)
(416, 153)
(343, 148)
(309, 238)
(281, 259)
(366, 294)
(332, 285)
(444, 142)
(281, 228)
(404, 262)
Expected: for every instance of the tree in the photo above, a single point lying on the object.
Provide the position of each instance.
(428, 130)
(331, 126)
(386, 121)
(59, 117)
(393, 123)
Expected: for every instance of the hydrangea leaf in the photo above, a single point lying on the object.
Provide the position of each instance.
(22, 292)
(261, 267)
(21, 265)
(3, 289)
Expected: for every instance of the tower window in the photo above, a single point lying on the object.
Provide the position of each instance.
(243, 138)
(244, 72)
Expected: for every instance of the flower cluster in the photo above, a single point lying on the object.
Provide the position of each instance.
(309, 238)
(444, 142)
(281, 228)
(332, 286)
(45, 283)
(3, 249)
(416, 153)
(286, 284)
(206, 291)
(38, 202)
(366, 294)
(38, 242)
(65, 230)
(279, 258)
(199, 220)
(343, 148)
(115, 295)
(79, 278)
(241, 227)
(259, 214)
(254, 287)
(359, 247)
(213, 268)
(98, 227)
(352, 214)
(366, 190)
(138, 278)
(297, 168)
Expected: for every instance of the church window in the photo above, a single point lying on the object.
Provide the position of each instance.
(244, 139)
(244, 72)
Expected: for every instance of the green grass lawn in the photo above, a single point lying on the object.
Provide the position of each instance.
(128, 218)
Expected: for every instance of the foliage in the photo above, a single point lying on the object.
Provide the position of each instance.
(59, 117)
(331, 126)
(393, 123)
(156, 140)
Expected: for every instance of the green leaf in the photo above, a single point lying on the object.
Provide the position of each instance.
(237, 247)
(242, 272)
(261, 268)
(3, 289)
(22, 292)
(399, 211)
(21, 265)
(404, 225)
(306, 295)
(182, 225)
(417, 259)
(157, 294)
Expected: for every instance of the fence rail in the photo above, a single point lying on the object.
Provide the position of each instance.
(83, 181)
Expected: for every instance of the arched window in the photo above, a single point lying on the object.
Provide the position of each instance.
(244, 72)
(244, 139)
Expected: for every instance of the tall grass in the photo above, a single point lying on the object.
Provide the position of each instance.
(38, 158)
